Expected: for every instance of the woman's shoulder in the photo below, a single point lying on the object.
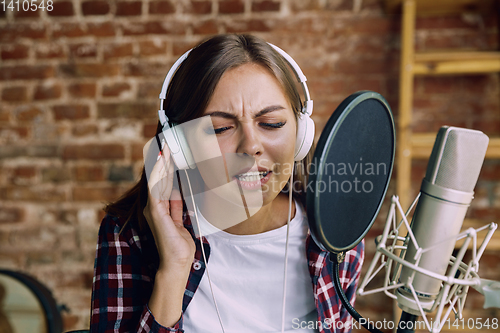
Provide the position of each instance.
(112, 221)
(122, 230)
(111, 224)
(122, 242)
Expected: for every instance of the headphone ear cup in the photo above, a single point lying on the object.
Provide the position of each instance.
(179, 148)
(305, 136)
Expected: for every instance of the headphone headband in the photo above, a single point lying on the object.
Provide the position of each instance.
(307, 105)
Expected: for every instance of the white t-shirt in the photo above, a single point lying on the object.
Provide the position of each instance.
(247, 279)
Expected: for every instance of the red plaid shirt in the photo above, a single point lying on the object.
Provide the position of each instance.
(126, 263)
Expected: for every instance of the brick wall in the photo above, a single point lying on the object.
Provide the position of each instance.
(79, 92)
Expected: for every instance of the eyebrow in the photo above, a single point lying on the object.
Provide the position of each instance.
(262, 112)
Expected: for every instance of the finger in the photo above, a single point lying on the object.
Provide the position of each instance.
(160, 159)
(161, 189)
(161, 178)
(176, 207)
(151, 155)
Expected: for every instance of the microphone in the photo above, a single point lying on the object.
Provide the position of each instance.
(445, 195)
(426, 276)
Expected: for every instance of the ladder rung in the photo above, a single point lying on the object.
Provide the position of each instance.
(422, 143)
(456, 55)
(470, 66)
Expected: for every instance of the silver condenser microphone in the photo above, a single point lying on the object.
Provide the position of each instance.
(445, 195)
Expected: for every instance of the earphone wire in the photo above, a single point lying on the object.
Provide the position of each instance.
(290, 188)
(203, 252)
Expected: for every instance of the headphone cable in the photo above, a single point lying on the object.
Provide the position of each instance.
(203, 252)
(290, 187)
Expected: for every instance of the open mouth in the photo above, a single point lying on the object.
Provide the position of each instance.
(253, 179)
(252, 176)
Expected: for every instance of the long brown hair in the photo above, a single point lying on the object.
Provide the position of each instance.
(198, 76)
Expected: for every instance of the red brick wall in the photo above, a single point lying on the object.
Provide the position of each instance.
(79, 92)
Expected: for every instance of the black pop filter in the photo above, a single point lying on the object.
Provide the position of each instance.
(350, 172)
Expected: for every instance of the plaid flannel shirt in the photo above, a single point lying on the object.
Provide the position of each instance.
(126, 264)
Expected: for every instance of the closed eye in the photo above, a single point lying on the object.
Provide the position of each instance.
(221, 130)
(274, 125)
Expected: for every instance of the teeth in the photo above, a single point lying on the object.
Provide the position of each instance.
(252, 176)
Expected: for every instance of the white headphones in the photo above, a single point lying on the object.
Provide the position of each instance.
(177, 143)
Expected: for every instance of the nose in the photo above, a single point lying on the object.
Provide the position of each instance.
(250, 142)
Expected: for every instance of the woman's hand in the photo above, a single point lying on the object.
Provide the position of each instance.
(175, 245)
(164, 215)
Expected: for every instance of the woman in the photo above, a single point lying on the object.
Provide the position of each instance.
(150, 273)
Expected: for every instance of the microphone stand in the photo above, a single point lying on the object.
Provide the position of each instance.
(337, 259)
(407, 318)
(411, 318)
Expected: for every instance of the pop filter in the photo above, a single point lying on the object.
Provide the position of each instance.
(350, 171)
